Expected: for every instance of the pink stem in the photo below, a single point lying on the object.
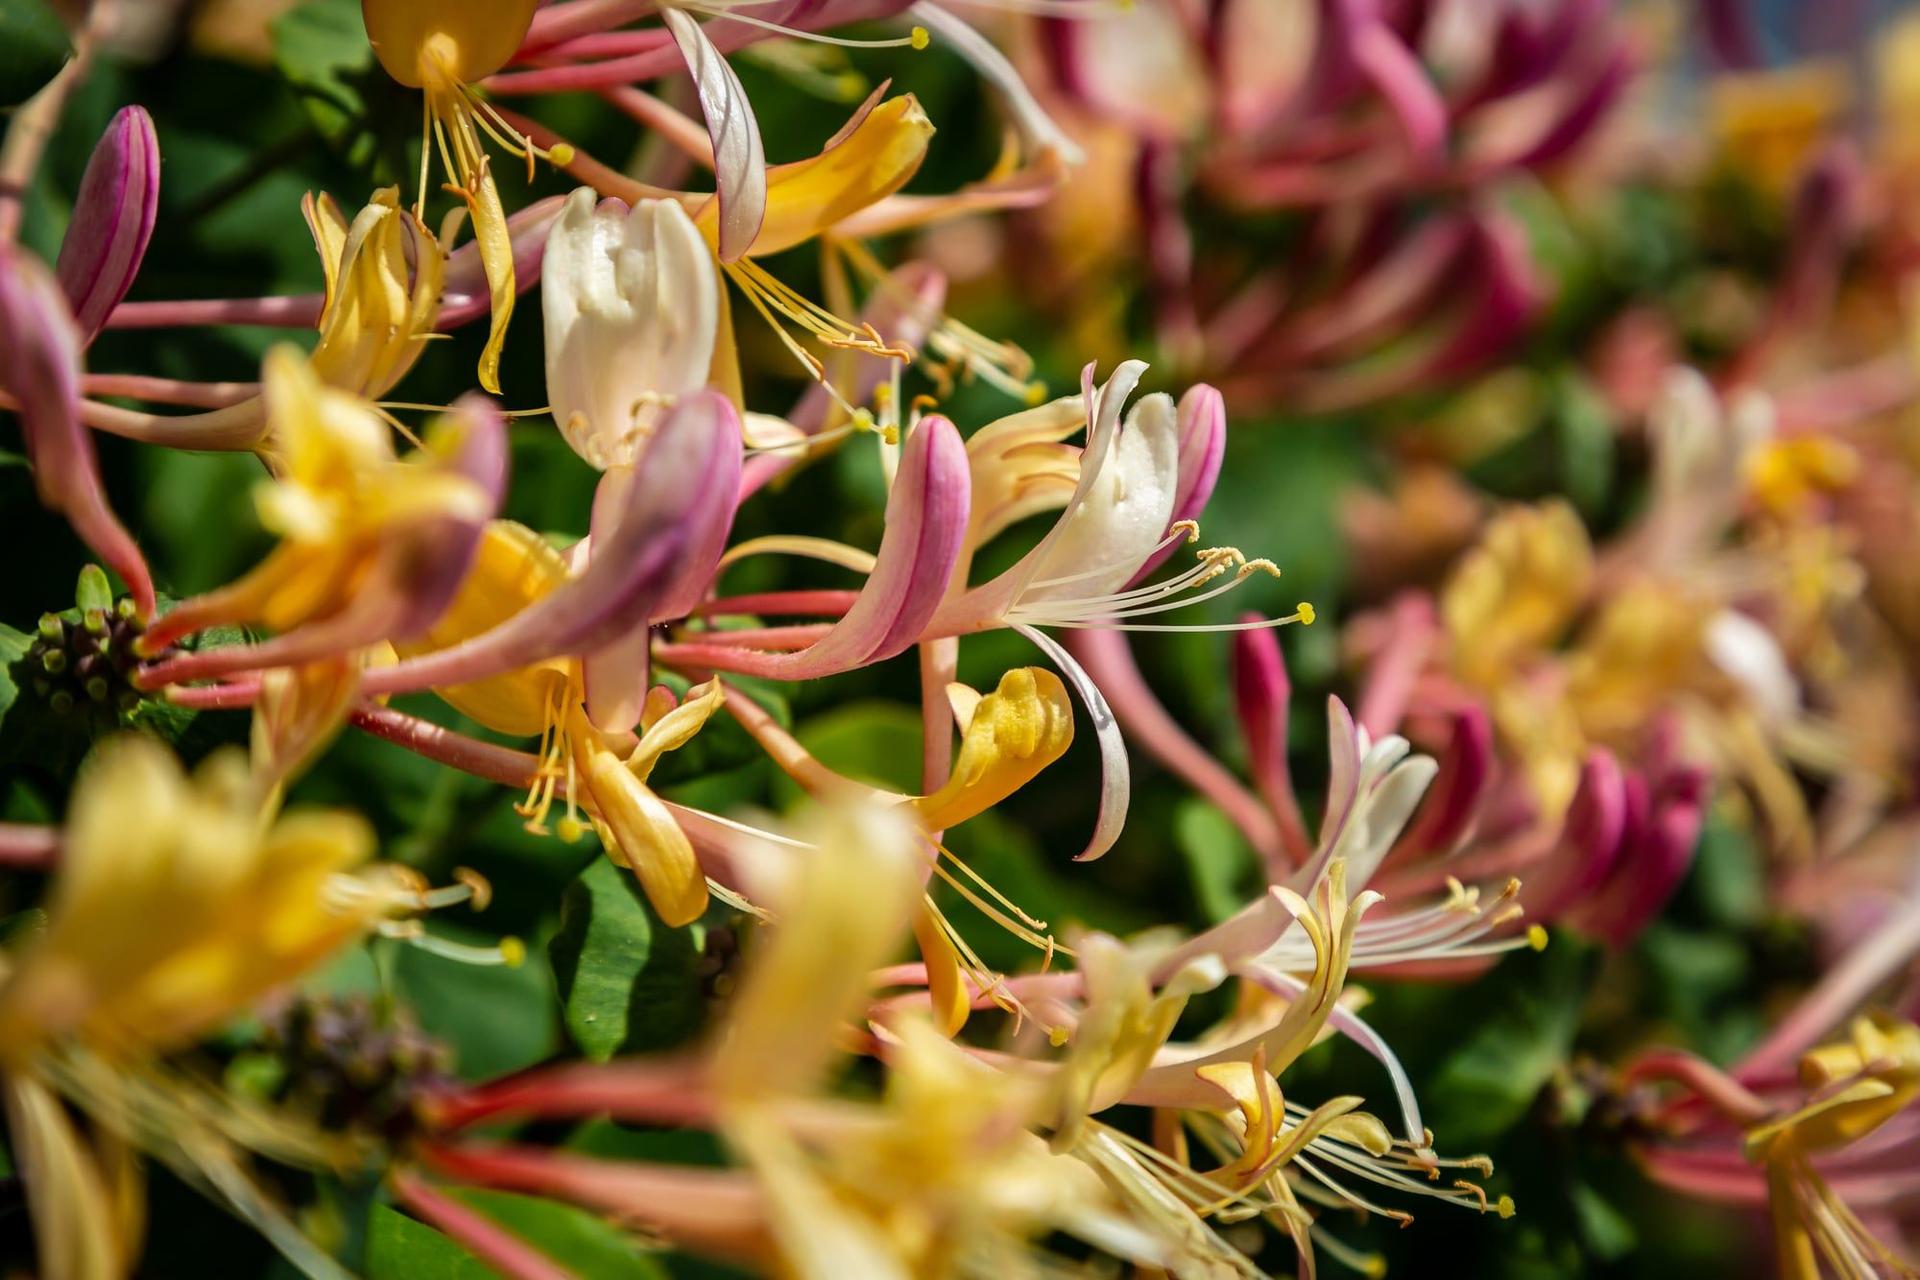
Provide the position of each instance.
(831, 604)
(568, 21)
(492, 1244)
(1109, 660)
(28, 846)
(666, 1091)
(1729, 1096)
(447, 746)
(231, 696)
(301, 311)
(135, 386)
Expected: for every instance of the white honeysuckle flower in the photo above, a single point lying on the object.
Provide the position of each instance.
(631, 302)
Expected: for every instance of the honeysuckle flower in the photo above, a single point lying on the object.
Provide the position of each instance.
(518, 647)
(1115, 1017)
(940, 1176)
(40, 352)
(384, 277)
(372, 546)
(1817, 1152)
(158, 931)
(444, 47)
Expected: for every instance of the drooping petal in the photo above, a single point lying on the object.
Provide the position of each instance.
(1116, 781)
(647, 840)
(630, 302)
(739, 162)
(40, 368)
(113, 218)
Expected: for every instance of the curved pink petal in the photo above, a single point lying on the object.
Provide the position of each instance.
(926, 524)
(40, 368)
(1203, 447)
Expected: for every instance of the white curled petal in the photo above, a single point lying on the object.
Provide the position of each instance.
(1116, 781)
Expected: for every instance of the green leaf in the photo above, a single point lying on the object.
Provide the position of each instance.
(1584, 431)
(399, 1248)
(496, 1018)
(627, 981)
(1608, 1233)
(1220, 865)
(321, 48)
(1528, 1012)
(33, 48)
(13, 647)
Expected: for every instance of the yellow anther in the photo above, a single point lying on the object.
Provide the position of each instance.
(561, 153)
(920, 37)
(1036, 394)
(1537, 937)
(1504, 1206)
(1057, 1036)
(1189, 527)
(1306, 613)
(569, 829)
(1261, 565)
(513, 952)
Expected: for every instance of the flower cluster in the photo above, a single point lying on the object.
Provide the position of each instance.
(770, 595)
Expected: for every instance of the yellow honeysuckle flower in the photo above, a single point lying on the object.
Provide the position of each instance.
(1517, 591)
(1858, 1085)
(514, 568)
(381, 299)
(443, 47)
(1788, 474)
(339, 499)
(162, 928)
(1765, 124)
(1641, 647)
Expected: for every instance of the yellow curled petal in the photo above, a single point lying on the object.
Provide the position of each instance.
(946, 987)
(650, 841)
(496, 259)
(329, 228)
(676, 728)
(1016, 731)
(872, 158)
